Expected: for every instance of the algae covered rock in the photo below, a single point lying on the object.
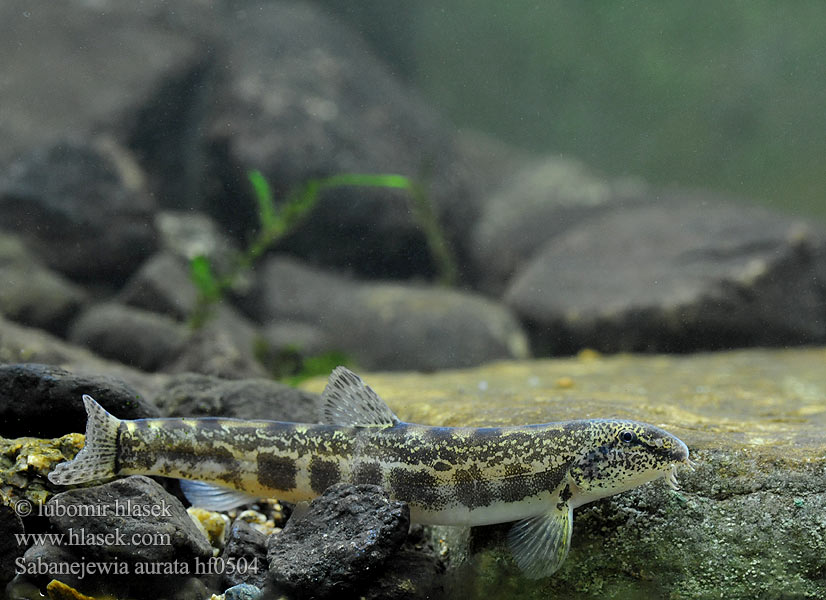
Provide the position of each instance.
(750, 522)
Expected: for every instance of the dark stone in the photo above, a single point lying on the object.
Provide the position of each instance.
(45, 401)
(248, 546)
(299, 95)
(204, 396)
(691, 272)
(32, 294)
(77, 208)
(343, 541)
(161, 285)
(387, 325)
(42, 557)
(135, 337)
(167, 534)
(10, 548)
(224, 347)
(71, 565)
(56, 83)
(243, 592)
(544, 199)
(409, 574)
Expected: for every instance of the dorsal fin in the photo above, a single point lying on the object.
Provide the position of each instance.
(347, 400)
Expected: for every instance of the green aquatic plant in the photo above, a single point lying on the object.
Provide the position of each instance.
(276, 221)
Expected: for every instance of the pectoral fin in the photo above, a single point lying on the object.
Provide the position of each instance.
(213, 497)
(540, 544)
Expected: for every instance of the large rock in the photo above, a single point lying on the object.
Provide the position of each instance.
(749, 522)
(134, 523)
(20, 344)
(192, 395)
(344, 539)
(135, 337)
(45, 401)
(245, 546)
(138, 81)
(10, 551)
(151, 525)
(32, 294)
(81, 207)
(388, 326)
(226, 345)
(542, 200)
(303, 97)
(690, 272)
(161, 285)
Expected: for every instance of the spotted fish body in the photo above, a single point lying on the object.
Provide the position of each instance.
(535, 474)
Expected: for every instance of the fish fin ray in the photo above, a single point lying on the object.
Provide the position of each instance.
(347, 400)
(540, 544)
(213, 497)
(96, 460)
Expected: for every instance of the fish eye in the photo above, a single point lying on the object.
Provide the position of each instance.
(627, 436)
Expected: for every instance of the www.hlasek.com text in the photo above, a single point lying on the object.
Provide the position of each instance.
(82, 537)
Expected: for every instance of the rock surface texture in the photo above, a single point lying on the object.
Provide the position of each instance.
(683, 274)
(44, 401)
(342, 541)
(748, 523)
(388, 325)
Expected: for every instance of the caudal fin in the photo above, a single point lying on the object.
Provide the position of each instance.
(96, 460)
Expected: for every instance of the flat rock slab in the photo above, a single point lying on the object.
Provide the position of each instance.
(384, 325)
(750, 522)
(686, 273)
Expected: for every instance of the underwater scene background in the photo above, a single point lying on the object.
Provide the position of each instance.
(497, 213)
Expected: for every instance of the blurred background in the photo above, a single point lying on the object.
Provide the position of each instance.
(723, 95)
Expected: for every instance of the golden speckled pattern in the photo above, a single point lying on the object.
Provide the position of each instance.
(434, 469)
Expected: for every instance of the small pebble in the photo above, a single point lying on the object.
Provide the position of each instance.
(243, 591)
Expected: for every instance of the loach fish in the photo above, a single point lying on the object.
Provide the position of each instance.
(535, 475)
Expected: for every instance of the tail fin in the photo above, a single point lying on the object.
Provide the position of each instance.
(96, 460)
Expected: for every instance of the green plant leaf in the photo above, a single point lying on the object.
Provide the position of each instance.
(267, 214)
(200, 271)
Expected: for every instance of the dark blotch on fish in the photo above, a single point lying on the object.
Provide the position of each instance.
(416, 486)
(367, 472)
(323, 474)
(472, 489)
(276, 472)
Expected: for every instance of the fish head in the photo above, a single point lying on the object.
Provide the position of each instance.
(618, 455)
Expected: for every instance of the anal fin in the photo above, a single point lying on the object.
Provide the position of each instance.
(213, 497)
(540, 544)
